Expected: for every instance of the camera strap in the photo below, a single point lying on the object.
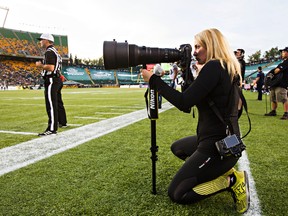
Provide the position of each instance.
(151, 99)
(228, 121)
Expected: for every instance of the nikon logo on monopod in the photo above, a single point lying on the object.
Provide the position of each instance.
(152, 99)
(153, 104)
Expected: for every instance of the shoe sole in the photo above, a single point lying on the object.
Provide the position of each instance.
(47, 135)
(42, 135)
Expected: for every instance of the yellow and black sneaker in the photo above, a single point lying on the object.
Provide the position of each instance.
(240, 190)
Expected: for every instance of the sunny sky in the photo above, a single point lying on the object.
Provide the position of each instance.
(249, 24)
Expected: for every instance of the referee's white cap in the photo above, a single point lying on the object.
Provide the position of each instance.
(46, 36)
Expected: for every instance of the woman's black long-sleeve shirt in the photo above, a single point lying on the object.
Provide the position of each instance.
(212, 82)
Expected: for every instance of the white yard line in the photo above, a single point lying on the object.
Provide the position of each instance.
(109, 113)
(26, 153)
(88, 117)
(23, 154)
(69, 125)
(15, 132)
(74, 125)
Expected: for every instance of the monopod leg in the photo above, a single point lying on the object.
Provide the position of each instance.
(154, 149)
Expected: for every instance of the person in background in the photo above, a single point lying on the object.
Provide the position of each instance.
(259, 82)
(173, 75)
(204, 171)
(196, 67)
(279, 92)
(240, 56)
(51, 69)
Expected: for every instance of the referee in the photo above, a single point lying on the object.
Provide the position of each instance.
(51, 66)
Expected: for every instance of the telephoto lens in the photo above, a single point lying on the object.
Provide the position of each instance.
(122, 55)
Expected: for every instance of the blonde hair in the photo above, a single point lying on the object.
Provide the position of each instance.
(218, 48)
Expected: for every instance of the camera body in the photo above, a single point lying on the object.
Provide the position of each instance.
(122, 55)
(230, 145)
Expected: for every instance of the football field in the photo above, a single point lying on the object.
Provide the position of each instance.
(100, 164)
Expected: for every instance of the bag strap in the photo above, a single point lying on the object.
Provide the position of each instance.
(244, 103)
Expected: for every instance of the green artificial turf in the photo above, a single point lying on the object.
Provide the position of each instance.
(111, 175)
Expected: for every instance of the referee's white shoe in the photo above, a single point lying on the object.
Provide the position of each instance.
(47, 133)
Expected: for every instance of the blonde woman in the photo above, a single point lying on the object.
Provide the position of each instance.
(204, 172)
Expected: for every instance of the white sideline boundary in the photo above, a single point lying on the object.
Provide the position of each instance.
(255, 207)
(26, 153)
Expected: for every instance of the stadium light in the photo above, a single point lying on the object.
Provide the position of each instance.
(7, 10)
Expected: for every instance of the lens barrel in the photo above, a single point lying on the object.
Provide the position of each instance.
(122, 55)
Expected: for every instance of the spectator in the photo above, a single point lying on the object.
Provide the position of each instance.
(240, 56)
(259, 82)
(173, 75)
(278, 92)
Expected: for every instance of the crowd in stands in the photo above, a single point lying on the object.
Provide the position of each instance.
(19, 73)
(13, 46)
(18, 53)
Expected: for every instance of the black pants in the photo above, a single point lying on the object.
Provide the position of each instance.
(259, 89)
(201, 165)
(62, 119)
(52, 86)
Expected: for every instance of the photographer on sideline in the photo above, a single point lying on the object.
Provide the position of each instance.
(204, 172)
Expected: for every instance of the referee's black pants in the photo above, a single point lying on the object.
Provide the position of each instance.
(52, 86)
(62, 119)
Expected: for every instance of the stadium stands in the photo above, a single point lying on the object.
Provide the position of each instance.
(20, 43)
(19, 50)
(19, 73)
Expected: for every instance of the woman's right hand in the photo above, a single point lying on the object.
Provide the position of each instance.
(146, 74)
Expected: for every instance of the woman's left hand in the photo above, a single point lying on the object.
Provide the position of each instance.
(146, 74)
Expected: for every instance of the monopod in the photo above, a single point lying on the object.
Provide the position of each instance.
(151, 97)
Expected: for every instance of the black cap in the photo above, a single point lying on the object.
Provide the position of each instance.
(285, 49)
